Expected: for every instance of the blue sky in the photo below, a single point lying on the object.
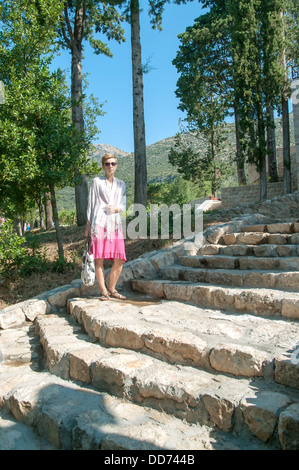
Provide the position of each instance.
(110, 79)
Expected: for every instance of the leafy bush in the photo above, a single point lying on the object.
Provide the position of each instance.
(15, 257)
(178, 191)
(67, 217)
(11, 248)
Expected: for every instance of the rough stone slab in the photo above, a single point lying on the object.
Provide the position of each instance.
(142, 268)
(287, 367)
(148, 430)
(261, 410)
(243, 262)
(18, 345)
(233, 250)
(278, 239)
(238, 360)
(117, 372)
(288, 264)
(288, 428)
(259, 301)
(294, 239)
(33, 308)
(58, 297)
(280, 228)
(253, 228)
(12, 316)
(192, 395)
(81, 361)
(162, 258)
(290, 308)
(209, 250)
(58, 339)
(251, 262)
(288, 281)
(154, 288)
(228, 239)
(16, 435)
(248, 238)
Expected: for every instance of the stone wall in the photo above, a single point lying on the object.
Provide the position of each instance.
(243, 195)
(285, 207)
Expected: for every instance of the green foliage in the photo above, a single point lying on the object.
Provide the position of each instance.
(178, 191)
(39, 145)
(67, 217)
(11, 248)
(199, 166)
(23, 256)
(17, 256)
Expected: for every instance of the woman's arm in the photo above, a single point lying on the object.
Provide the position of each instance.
(87, 229)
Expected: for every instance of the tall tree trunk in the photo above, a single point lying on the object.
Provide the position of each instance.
(271, 145)
(48, 211)
(286, 147)
(17, 225)
(140, 194)
(287, 185)
(56, 221)
(213, 156)
(41, 213)
(81, 190)
(31, 220)
(262, 153)
(240, 158)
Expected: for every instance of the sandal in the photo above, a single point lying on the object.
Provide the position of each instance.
(117, 295)
(105, 295)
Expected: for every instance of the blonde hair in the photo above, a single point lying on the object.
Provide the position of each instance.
(107, 156)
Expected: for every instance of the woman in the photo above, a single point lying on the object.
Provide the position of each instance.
(107, 199)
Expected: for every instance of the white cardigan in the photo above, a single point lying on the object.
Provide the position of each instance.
(104, 225)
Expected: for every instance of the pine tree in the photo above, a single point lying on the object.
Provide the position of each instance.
(205, 89)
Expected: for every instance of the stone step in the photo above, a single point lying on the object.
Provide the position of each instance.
(191, 394)
(259, 238)
(283, 227)
(235, 262)
(288, 281)
(270, 250)
(15, 435)
(257, 301)
(193, 335)
(75, 417)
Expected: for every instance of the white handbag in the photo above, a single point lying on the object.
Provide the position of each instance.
(88, 271)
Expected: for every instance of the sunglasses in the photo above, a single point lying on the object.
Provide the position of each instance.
(110, 163)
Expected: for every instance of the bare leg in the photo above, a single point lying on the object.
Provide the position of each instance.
(100, 274)
(114, 276)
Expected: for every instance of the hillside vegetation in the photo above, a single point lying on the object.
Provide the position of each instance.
(158, 166)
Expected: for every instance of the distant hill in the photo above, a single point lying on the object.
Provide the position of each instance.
(158, 166)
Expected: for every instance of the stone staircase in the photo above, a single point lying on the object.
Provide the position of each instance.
(202, 356)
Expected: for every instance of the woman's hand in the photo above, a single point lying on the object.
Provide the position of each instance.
(111, 209)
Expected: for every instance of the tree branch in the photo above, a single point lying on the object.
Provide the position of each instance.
(69, 26)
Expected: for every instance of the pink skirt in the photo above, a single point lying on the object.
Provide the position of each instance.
(109, 249)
